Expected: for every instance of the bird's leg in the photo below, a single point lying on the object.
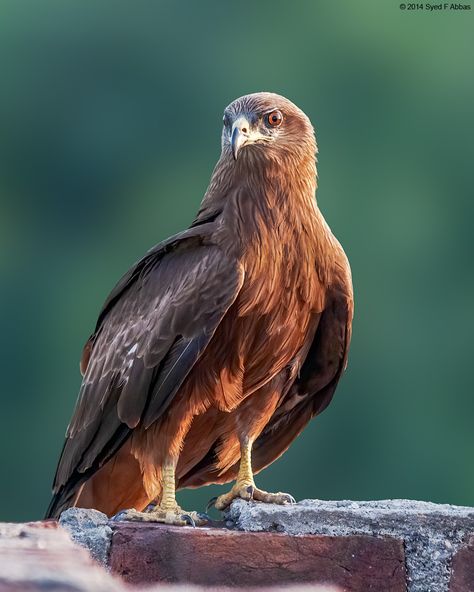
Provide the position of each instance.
(167, 510)
(244, 486)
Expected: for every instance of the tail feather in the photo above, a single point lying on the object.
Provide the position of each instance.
(67, 495)
(65, 498)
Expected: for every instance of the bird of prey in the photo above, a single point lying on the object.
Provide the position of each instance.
(214, 351)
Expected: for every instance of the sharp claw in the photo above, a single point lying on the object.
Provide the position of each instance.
(150, 508)
(189, 520)
(119, 516)
(211, 502)
(204, 516)
(291, 499)
(251, 489)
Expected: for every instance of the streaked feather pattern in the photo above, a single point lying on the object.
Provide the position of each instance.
(241, 322)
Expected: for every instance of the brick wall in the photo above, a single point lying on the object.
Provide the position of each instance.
(388, 546)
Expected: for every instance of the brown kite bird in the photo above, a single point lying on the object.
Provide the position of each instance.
(214, 351)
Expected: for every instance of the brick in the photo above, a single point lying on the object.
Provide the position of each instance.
(148, 553)
(462, 578)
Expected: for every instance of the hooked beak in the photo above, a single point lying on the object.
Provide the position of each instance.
(240, 135)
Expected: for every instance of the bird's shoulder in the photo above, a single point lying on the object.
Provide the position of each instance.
(171, 271)
(189, 239)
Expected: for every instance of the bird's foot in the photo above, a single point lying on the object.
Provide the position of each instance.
(248, 491)
(174, 516)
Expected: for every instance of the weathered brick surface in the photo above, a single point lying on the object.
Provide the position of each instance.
(344, 546)
(144, 553)
(40, 557)
(462, 579)
(432, 533)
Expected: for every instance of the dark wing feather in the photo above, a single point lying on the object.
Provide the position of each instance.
(152, 329)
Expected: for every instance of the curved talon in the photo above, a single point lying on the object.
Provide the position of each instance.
(150, 507)
(251, 493)
(189, 520)
(119, 516)
(211, 503)
(174, 516)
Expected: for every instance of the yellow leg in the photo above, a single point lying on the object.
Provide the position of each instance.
(245, 476)
(168, 496)
(244, 486)
(167, 511)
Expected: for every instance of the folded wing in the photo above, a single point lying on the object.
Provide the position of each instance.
(151, 331)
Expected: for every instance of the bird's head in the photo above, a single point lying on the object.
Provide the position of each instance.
(266, 126)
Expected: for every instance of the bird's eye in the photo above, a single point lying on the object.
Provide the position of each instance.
(274, 119)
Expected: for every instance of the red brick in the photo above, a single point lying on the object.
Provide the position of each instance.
(147, 553)
(40, 556)
(462, 579)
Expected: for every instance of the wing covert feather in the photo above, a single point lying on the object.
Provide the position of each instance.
(151, 331)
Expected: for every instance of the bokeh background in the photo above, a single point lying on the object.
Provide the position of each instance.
(110, 117)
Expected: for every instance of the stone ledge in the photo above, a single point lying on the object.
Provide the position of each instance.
(41, 556)
(432, 533)
(386, 546)
(90, 529)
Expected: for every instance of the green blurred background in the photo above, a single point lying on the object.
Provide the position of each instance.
(110, 117)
